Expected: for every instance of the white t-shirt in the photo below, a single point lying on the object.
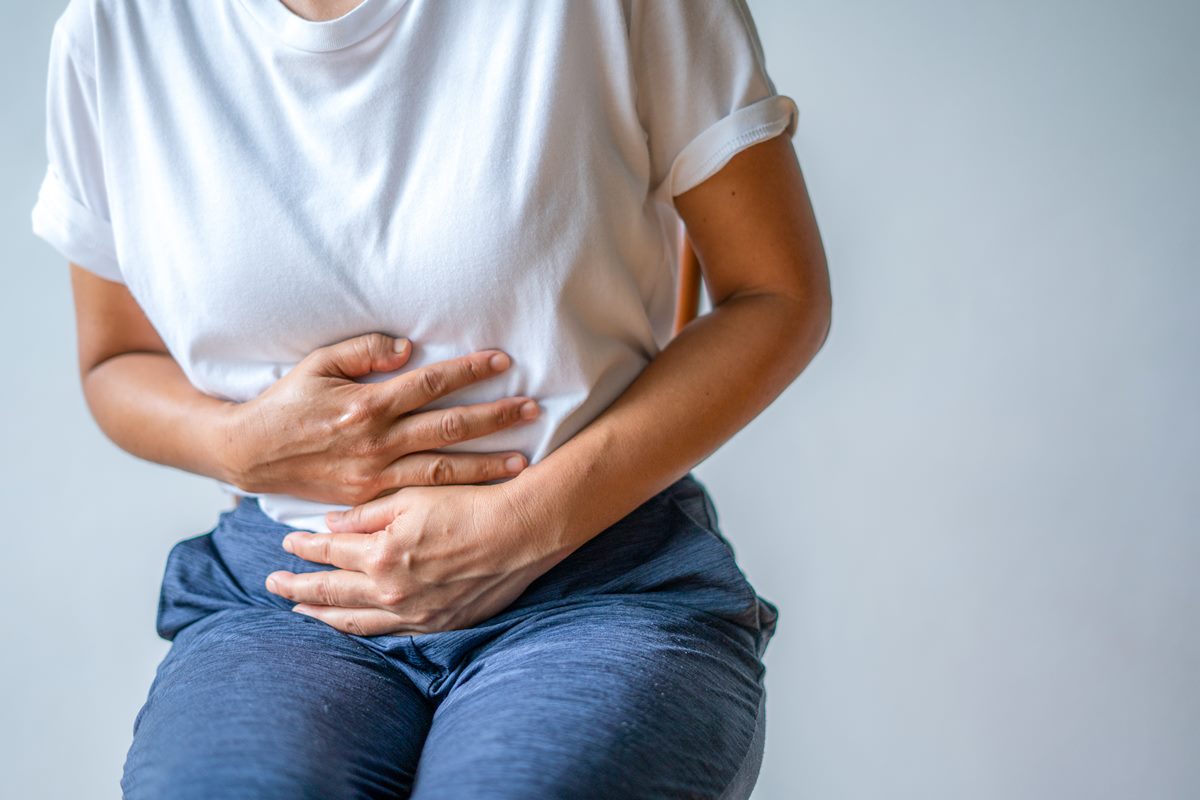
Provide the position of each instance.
(466, 174)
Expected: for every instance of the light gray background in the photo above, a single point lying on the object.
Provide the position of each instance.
(977, 510)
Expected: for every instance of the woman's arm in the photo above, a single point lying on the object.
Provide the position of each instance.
(753, 227)
(446, 557)
(315, 433)
(136, 392)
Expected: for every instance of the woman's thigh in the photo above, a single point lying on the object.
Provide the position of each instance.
(263, 703)
(618, 697)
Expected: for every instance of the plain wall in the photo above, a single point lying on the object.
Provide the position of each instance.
(977, 510)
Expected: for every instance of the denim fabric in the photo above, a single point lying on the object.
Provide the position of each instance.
(631, 669)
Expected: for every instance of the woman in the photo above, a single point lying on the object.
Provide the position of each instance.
(399, 274)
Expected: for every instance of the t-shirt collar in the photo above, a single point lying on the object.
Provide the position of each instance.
(334, 34)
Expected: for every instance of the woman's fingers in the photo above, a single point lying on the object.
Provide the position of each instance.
(354, 551)
(355, 357)
(372, 516)
(357, 621)
(326, 588)
(428, 430)
(420, 386)
(440, 469)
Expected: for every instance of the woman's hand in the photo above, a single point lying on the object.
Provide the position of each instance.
(440, 558)
(318, 434)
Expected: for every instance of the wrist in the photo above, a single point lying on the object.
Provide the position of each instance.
(224, 437)
(541, 519)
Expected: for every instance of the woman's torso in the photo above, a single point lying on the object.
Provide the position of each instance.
(468, 175)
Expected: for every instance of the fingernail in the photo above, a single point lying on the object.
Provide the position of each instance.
(272, 584)
(399, 345)
(287, 543)
(529, 409)
(499, 361)
(514, 463)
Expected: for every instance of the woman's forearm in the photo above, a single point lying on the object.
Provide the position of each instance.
(317, 432)
(146, 405)
(719, 373)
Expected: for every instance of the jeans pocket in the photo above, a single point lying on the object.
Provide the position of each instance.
(195, 583)
(171, 617)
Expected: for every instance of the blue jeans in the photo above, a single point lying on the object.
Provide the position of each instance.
(631, 669)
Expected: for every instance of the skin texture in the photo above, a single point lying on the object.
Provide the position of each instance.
(435, 558)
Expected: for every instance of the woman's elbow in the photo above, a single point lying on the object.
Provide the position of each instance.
(812, 299)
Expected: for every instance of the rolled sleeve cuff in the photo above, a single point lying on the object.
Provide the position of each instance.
(78, 234)
(711, 149)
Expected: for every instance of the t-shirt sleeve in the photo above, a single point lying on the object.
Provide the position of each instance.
(703, 92)
(72, 211)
